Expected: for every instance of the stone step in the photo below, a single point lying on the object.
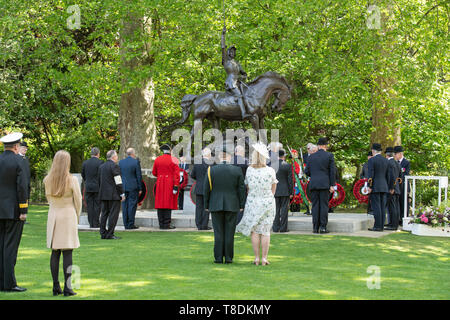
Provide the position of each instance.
(337, 222)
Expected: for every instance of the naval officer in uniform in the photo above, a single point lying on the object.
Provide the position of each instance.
(13, 209)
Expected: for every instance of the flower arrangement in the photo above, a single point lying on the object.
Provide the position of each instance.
(433, 216)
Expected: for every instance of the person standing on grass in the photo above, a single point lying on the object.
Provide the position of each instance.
(64, 197)
(111, 194)
(89, 173)
(283, 194)
(260, 206)
(13, 209)
(224, 195)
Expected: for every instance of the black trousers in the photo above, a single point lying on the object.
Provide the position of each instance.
(181, 199)
(224, 225)
(280, 223)
(393, 209)
(201, 215)
(164, 218)
(320, 199)
(93, 209)
(110, 214)
(10, 235)
(378, 200)
(129, 207)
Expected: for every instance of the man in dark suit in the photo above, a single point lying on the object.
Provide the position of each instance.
(110, 194)
(405, 171)
(380, 182)
(283, 194)
(13, 209)
(365, 175)
(393, 205)
(321, 169)
(26, 165)
(240, 161)
(199, 173)
(89, 173)
(224, 196)
(130, 170)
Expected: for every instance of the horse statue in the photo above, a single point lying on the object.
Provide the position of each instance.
(217, 105)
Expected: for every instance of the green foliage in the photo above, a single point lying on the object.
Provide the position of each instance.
(62, 87)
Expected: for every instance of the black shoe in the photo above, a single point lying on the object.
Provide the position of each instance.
(375, 229)
(171, 227)
(316, 231)
(324, 231)
(57, 289)
(17, 289)
(229, 262)
(390, 228)
(284, 231)
(69, 292)
(132, 228)
(215, 261)
(114, 238)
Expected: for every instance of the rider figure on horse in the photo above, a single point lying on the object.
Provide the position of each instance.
(235, 75)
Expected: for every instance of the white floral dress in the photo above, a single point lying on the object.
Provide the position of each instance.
(259, 211)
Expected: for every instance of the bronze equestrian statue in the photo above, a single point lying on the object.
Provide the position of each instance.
(240, 102)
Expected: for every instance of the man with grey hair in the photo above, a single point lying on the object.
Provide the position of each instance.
(110, 194)
(130, 170)
(89, 173)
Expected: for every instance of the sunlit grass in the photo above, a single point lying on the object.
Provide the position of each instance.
(179, 265)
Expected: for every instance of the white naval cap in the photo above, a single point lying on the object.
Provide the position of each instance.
(12, 138)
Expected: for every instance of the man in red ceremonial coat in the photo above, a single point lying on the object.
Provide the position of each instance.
(167, 174)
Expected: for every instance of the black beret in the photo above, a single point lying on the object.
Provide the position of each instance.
(389, 150)
(322, 142)
(398, 149)
(376, 146)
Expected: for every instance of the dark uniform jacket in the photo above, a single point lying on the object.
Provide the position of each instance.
(395, 171)
(110, 181)
(285, 185)
(199, 173)
(241, 163)
(13, 186)
(321, 168)
(26, 168)
(405, 166)
(89, 173)
(380, 179)
(228, 189)
(130, 169)
(365, 171)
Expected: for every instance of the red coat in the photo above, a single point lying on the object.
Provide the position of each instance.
(167, 174)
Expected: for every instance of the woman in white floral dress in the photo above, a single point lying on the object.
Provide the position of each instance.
(259, 211)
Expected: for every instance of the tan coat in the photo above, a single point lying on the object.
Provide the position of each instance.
(63, 217)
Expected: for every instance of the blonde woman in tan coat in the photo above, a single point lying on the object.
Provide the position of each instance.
(64, 197)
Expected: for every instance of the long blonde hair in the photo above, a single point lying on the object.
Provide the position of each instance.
(58, 177)
(258, 160)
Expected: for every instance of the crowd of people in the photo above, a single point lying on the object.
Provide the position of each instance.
(242, 195)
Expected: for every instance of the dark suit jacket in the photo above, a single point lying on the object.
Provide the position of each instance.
(285, 185)
(89, 173)
(199, 173)
(380, 175)
(242, 163)
(395, 172)
(321, 168)
(405, 169)
(365, 171)
(109, 172)
(26, 168)
(13, 186)
(130, 170)
(228, 189)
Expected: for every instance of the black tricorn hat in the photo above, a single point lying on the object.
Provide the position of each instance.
(398, 149)
(322, 142)
(376, 146)
(166, 147)
(389, 150)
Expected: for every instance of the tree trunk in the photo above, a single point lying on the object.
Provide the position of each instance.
(137, 126)
(385, 113)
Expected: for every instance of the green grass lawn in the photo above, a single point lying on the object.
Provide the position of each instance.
(179, 265)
